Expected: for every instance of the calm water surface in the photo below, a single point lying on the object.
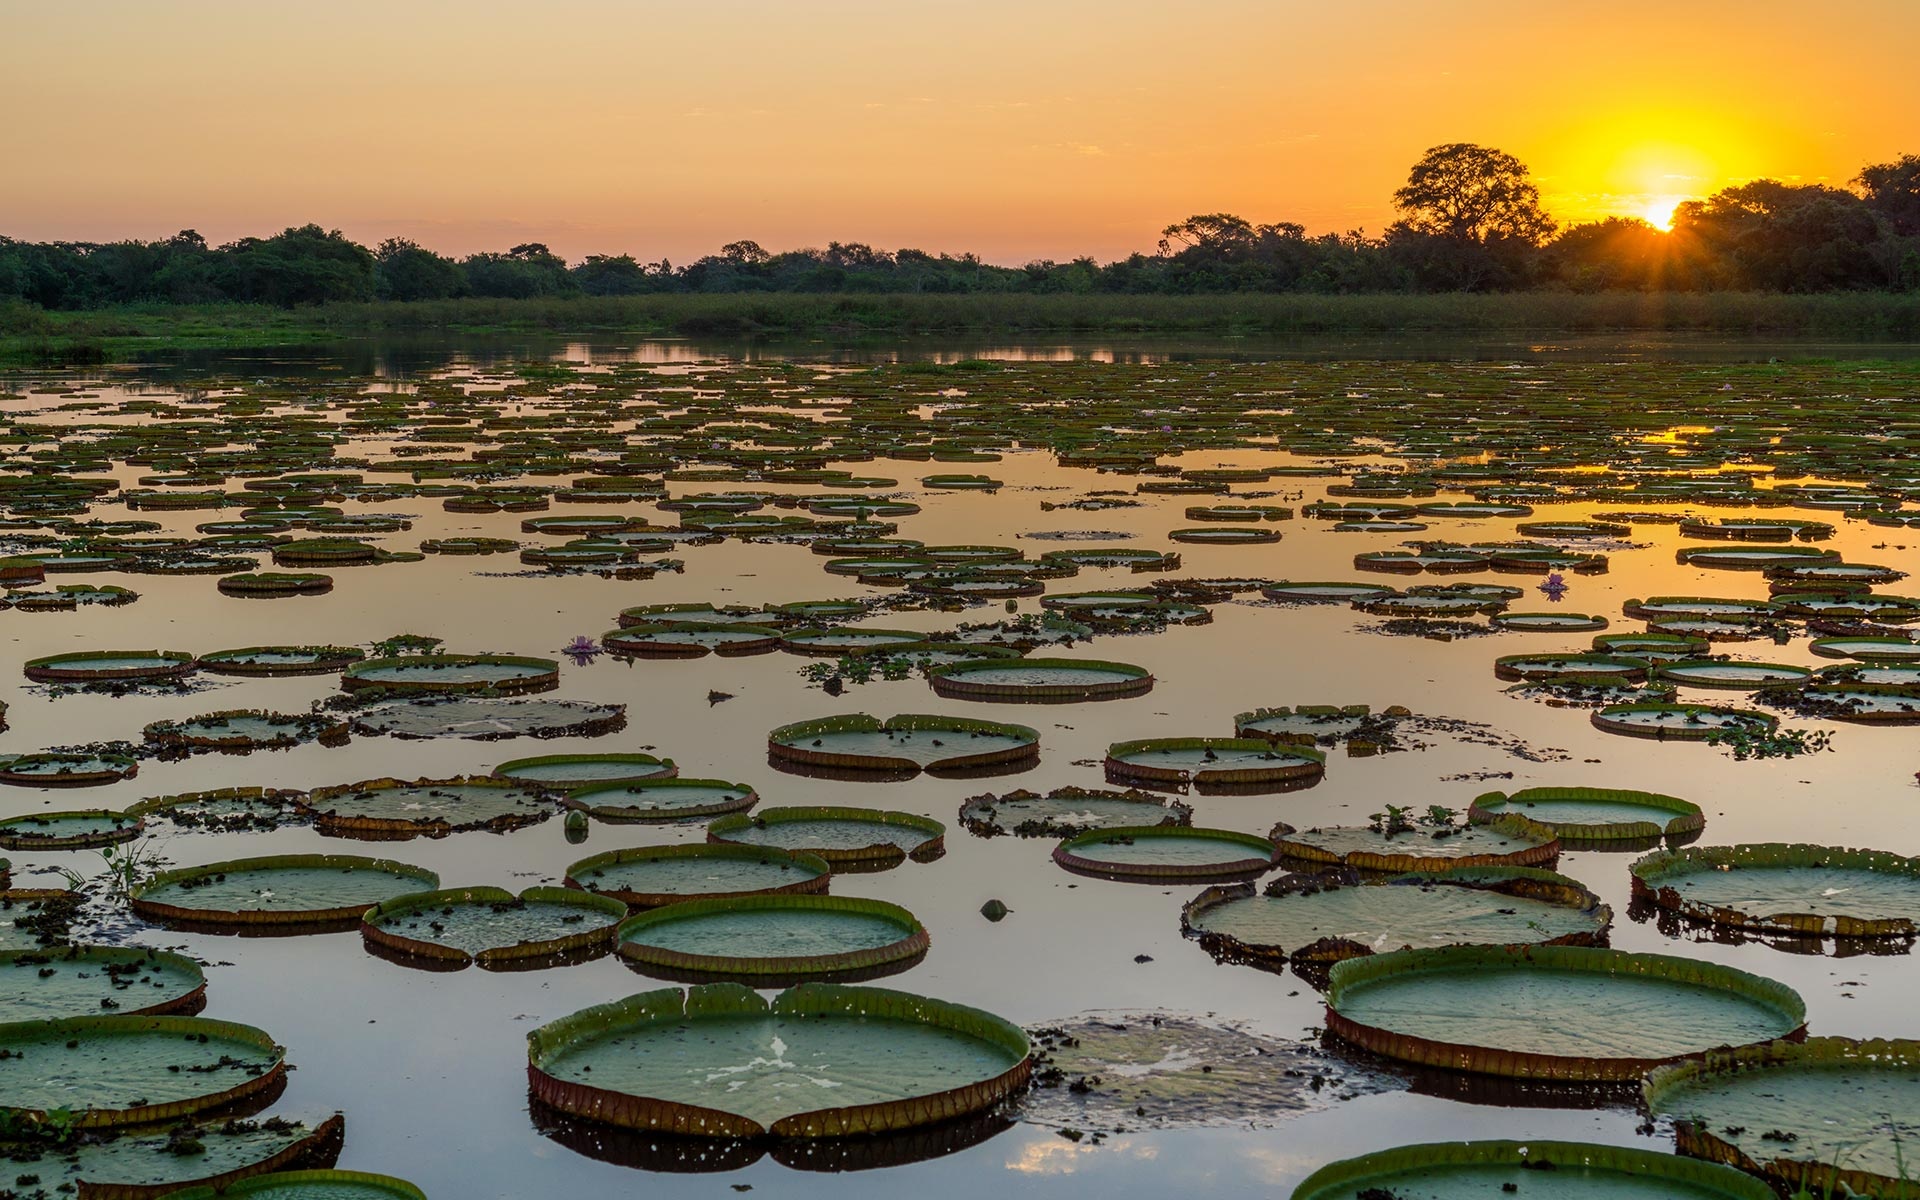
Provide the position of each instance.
(430, 1068)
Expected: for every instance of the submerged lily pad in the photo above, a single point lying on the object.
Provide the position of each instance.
(282, 889)
(1830, 1115)
(845, 837)
(772, 940)
(1067, 812)
(907, 743)
(650, 876)
(1564, 1013)
(489, 720)
(1595, 815)
(1164, 1070)
(1569, 1170)
(1821, 891)
(78, 981)
(720, 1061)
(492, 926)
(1317, 919)
(112, 1071)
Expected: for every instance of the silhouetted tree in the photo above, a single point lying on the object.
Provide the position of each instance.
(405, 271)
(1893, 191)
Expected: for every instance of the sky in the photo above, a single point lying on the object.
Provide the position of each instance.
(1015, 129)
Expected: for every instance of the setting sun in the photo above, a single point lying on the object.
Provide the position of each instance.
(1659, 211)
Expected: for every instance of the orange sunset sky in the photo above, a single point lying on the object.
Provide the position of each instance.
(1019, 130)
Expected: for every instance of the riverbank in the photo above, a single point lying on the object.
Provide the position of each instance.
(33, 335)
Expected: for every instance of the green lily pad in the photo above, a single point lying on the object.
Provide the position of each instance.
(113, 1071)
(786, 939)
(69, 830)
(666, 800)
(310, 1185)
(151, 1162)
(1165, 852)
(492, 926)
(1560, 1170)
(910, 742)
(1067, 812)
(284, 889)
(843, 836)
(1828, 1114)
(1315, 919)
(388, 808)
(565, 772)
(79, 981)
(1594, 815)
(650, 876)
(1821, 891)
(1566, 1013)
(720, 1061)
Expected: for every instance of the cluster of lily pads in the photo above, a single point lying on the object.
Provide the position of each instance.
(1439, 940)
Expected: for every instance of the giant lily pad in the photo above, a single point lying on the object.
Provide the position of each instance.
(664, 800)
(139, 1164)
(1830, 1115)
(1595, 815)
(444, 674)
(1564, 1013)
(1317, 919)
(688, 639)
(908, 743)
(1681, 722)
(96, 666)
(281, 660)
(1510, 841)
(650, 876)
(1820, 891)
(393, 808)
(112, 1071)
(309, 1185)
(845, 837)
(65, 769)
(773, 940)
(1067, 812)
(720, 1061)
(1158, 853)
(244, 729)
(1243, 764)
(282, 889)
(1739, 676)
(564, 772)
(80, 830)
(1569, 1170)
(492, 926)
(78, 981)
(1039, 680)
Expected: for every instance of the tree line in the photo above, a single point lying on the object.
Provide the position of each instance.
(1470, 219)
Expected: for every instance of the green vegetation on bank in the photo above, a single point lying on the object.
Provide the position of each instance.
(30, 334)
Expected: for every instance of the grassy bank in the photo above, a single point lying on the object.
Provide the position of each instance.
(29, 334)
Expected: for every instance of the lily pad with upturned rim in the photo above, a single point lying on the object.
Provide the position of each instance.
(81, 829)
(1510, 841)
(908, 742)
(1474, 1170)
(842, 836)
(308, 1185)
(1039, 680)
(1582, 815)
(1827, 1115)
(399, 808)
(566, 772)
(277, 890)
(493, 927)
(66, 769)
(773, 940)
(78, 981)
(1242, 763)
(1683, 722)
(1561, 1013)
(1068, 812)
(114, 1071)
(661, 800)
(96, 666)
(651, 876)
(1163, 853)
(899, 1060)
(143, 1163)
(1777, 887)
(444, 674)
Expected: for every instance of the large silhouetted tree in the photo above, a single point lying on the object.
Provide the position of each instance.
(1893, 191)
(1471, 193)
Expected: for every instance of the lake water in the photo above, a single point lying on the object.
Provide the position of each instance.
(430, 1068)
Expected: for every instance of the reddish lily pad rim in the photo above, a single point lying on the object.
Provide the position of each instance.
(1263, 854)
(911, 945)
(818, 881)
(374, 932)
